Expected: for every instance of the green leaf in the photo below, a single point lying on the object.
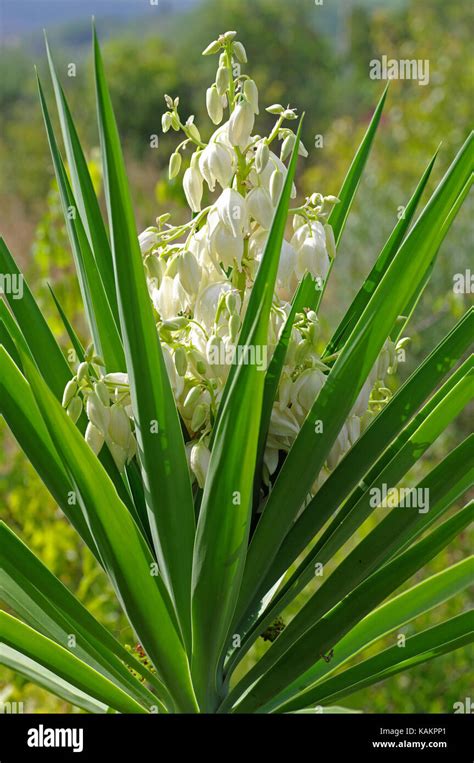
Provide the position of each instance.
(444, 484)
(379, 269)
(160, 441)
(388, 424)
(84, 193)
(433, 642)
(392, 615)
(75, 341)
(58, 660)
(338, 216)
(38, 336)
(123, 550)
(19, 408)
(305, 296)
(325, 634)
(13, 335)
(346, 379)
(44, 603)
(48, 680)
(400, 327)
(224, 517)
(100, 317)
(405, 450)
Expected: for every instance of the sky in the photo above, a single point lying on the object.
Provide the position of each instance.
(19, 17)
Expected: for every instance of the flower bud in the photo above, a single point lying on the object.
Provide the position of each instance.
(174, 165)
(231, 302)
(172, 267)
(212, 48)
(119, 455)
(214, 105)
(239, 52)
(175, 324)
(193, 131)
(234, 326)
(153, 269)
(251, 94)
(276, 184)
(74, 408)
(102, 392)
(180, 361)
(192, 185)
(222, 79)
(166, 121)
(241, 124)
(229, 36)
(83, 372)
(69, 392)
(330, 241)
(213, 349)
(191, 400)
(302, 151)
(276, 108)
(287, 146)
(200, 457)
(262, 154)
(189, 272)
(94, 438)
(97, 412)
(119, 427)
(132, 448)
(175, 121)
(199, 416)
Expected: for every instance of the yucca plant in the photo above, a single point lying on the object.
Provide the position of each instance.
(211, 450)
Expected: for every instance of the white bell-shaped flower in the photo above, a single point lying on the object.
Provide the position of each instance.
(193, 189)
(170, 299)
(241, 124)
(226, 247)
(310, 243)
(216, 163)
(199, 459)
(147, 239)
(260, 207)
(207, 302)
(307, 387)
(189, 272)
(287, 280)
(214, 104)
(232, 211)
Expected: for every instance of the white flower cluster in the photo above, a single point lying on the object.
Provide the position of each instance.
(106, 401)
(200, 275)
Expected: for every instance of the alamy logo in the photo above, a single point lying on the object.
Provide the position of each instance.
(409, 497)
(11, 283)
(392, 68)
(46, 737)
(242, 355)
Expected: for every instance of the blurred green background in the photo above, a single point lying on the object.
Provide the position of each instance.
(315, 57)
